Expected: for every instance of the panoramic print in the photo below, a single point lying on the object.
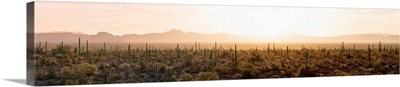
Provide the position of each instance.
(105, 43)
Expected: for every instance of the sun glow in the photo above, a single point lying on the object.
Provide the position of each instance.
(120, 19)
(268, 22)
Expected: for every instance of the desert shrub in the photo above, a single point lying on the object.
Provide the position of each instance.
(377, 64)
(306, 72)
(124, 66)
(185, 77)
(255, 56)
(207, 76)
(61, 49)
(79, 73)
(276, 66)
(189, 60)
(142, 66)
(71, 82)
(248, 70)
(222, 69)
(41, 74)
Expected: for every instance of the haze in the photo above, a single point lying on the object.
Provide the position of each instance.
(123, 18)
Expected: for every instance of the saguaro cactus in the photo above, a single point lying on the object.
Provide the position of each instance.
(369, 55)
(40, 45)
(268, 49)
(273, 45)
(62, 45)
(306, 56)
(105, 74)
(129, 51)
(215, 50)
(177, 51)
(379, 46)
(45, 47)
(195, 46)
(287, 52)
(235, 55)
(87, 50)
(156, 72)
(342, 48)
(79, 46)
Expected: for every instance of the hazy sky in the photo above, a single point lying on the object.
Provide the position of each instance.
(123, 18)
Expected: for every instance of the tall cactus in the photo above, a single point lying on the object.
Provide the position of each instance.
(87, 51)
(379, 46)
(105, 74)
(156, 72)
(287, 52)
(342, 47)
(129, 51)
(45, 47)
(268, 49)
(40, 45)
(273, 45)
(177, 51)
(235, 55)
(215, 50)
(62, 45)
(79, 46)
(195, 46)
(369, 55)
(306, 56)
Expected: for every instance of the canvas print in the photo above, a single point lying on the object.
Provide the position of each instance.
(79, 43)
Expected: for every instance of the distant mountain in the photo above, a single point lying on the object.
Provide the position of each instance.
(179, 36)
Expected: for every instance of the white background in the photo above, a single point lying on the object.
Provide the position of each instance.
(13, 38)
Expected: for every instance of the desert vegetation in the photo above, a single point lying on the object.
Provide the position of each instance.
(83, 64)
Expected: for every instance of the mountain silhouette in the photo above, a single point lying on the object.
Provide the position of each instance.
(175, 35)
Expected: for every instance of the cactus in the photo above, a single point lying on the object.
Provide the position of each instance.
(79, 46)
(195, 46)
(156, 73)
(62, 45)
(215, 50)
(287, 52)
(342, 48)
(45, 47)
(268, 49)
(306, 56)
(105, 74)
(235, 55)
(177, 51)
(256, 49)
(40, 45)
(104, 48)
(87, 50)
(369, 55)
(129, 51)
(379, 46)
(273, 45)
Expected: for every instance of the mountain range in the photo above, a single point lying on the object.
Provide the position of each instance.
(179, 36)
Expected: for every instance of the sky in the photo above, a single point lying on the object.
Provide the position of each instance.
(127, 18)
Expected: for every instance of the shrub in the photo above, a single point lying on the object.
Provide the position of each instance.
(185, 77)
(207, 76)
(309, 72)
(248, 70)
(78, 73)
